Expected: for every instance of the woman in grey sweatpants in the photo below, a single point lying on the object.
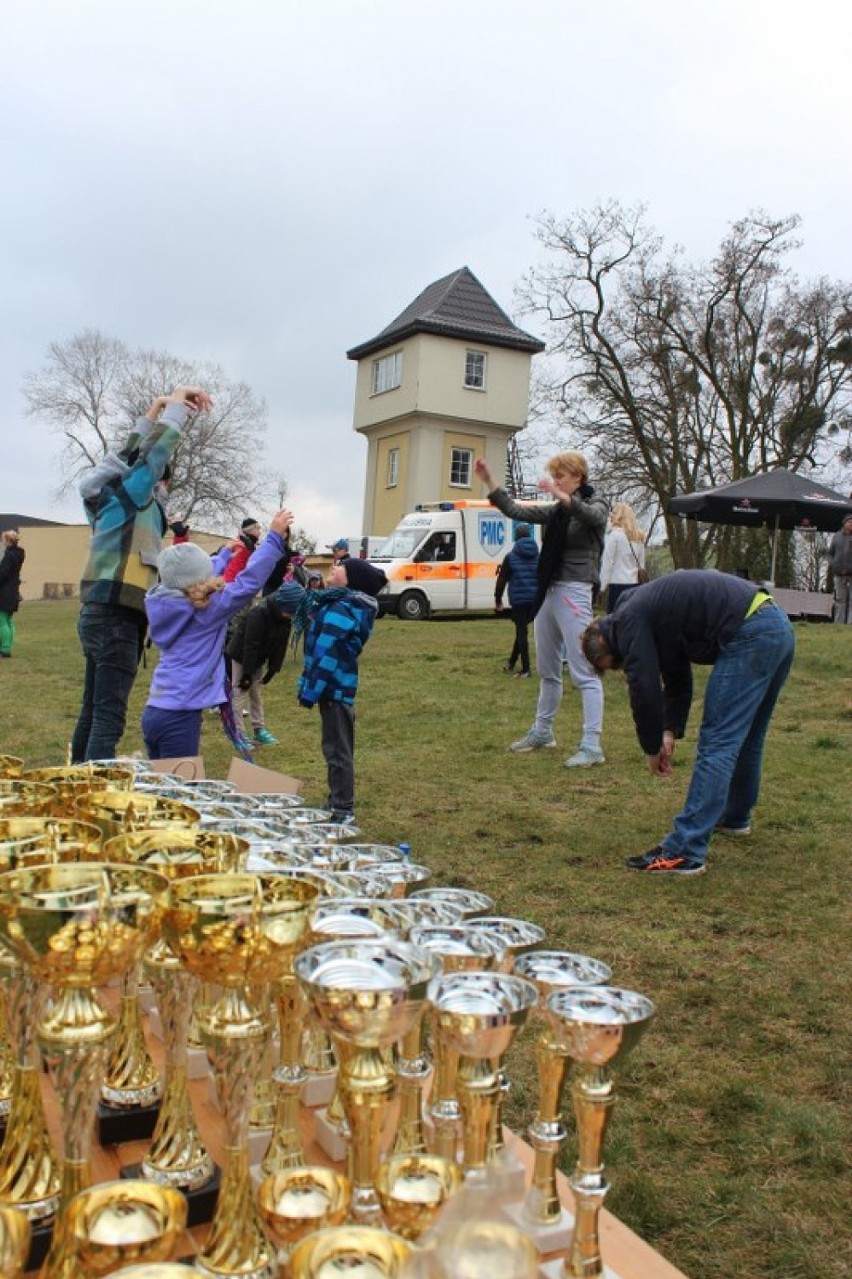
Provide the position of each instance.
(574, 528)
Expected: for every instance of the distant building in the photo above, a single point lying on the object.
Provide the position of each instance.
(446, 381)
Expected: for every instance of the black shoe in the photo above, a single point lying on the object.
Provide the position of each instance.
(660, 862)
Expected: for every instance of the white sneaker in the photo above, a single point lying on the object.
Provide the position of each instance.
(586, 757)
(533, 741)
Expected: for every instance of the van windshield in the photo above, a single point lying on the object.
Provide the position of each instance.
(401, 544)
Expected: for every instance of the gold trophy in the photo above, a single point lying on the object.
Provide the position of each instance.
(14, 1241)
(459, 949)
(478, 1015)
(11, 766)
(119, 1223)
(238, 932)
(20, 798)
(77, 927)
(298, 1202)
(412, 1190)
(368, 995)
(118, 812)
(549, 971)
(596, 1026)
(31, 841)
(177, 1156)
(483, 1248)
(362, 1252)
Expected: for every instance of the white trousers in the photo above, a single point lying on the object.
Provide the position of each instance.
(561, 620)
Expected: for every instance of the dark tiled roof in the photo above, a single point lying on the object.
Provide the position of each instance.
(28, 521)
(457, 307)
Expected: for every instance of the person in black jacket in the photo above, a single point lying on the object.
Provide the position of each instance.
(259, 641)
(10, 589)
(654, 636)
(519, 572)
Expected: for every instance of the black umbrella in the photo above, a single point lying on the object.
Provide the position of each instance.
(776, 499)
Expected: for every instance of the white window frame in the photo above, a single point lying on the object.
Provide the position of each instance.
(386, 373)
(392, 478)
(472, 359)
(459, 456)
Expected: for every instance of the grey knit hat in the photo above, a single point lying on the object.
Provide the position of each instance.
(184, 565)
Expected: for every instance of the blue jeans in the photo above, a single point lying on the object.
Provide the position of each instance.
(111, 638)
(741, 694)
(171, 734)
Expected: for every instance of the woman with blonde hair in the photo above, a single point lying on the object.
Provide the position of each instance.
(10, 589)
(572, 542)
(623, 563)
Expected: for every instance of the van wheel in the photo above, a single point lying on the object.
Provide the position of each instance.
(413, 607)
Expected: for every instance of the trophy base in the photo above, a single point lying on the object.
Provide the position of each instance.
(318, 1090)
(200, 1203)
(117, 1124)
(551, 1239)
(41, 1236)
(555, 1270)
(330, 1139)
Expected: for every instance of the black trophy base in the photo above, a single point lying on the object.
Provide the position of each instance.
(201, 1203)
(41, 1235)
(126, 1123)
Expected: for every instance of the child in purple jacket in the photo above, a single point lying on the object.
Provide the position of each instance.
(188, 615)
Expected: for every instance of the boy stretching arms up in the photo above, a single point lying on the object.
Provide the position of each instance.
(337, 624)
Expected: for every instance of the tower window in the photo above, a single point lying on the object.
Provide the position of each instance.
(474, 370)
(387, 373)
(393, 469)
(461, 467)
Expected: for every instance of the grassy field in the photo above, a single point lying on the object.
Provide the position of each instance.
(729, 1144)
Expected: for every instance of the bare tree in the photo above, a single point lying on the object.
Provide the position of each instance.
(91, 390)
(677, 376)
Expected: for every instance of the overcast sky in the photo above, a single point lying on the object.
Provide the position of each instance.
(267, 183)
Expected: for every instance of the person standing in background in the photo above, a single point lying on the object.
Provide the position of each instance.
(840, 549)
(623, 562)
(250, 534)
(518, 571)
(10, 589)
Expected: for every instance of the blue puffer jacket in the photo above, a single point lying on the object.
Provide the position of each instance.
(336, 632)
(518, 571)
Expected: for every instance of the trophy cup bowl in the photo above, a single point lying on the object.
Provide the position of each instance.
(238, 932)
(358, 883)
(413, 1189)
(152, 1270)
(298, 1202)
(360, 1252)
(75, 781)
(363, 855)
(486, 1249)
(14, 1241)
(477, 1015)
(309, 816)
(367, 995)
(596, 1026)
(518, 935)
(117, 812)
(179, 851)
(401, 876)
(469, 902)
(549, 971)
(11, 766)
(458, 946)
(20, 798)
(120, 1223)
(332, 832)
(59, 839)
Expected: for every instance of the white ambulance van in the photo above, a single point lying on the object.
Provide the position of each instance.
(443, 557)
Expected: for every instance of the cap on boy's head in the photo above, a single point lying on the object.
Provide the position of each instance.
(847, 517)
(522, 530)
(288, 597)
(363, 576)
(184, 565)
(340, 545)
(248, 523)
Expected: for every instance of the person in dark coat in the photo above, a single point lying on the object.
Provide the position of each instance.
(519, 571)
(654, 636)
(10, 589)
(256, 650)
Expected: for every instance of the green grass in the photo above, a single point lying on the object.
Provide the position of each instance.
(728, 1146)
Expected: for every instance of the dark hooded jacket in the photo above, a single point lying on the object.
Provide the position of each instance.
(519, 571)
(260, 639)
(10, 579)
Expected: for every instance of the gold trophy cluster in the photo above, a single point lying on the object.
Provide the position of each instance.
(356, 1023)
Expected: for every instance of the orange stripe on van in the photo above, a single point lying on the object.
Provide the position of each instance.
(436, 572)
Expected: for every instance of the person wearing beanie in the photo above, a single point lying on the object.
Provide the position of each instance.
(337, 623)
(519, 571)
(256, 647)
(250, 533)
(180, 530)
(124, 500)
(188, 615)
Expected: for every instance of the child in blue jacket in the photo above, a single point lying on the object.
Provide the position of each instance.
(337, 624)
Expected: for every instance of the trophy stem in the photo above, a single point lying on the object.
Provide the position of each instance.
(547, 1133)
(132, 1078)
(367, 1088)
(412, 1073)
(285, 1146)
(593, 1094)
(445, 1110)
(236, 1034)
(29, 1176)
(177, 1156)
(497, 1141)
(7, 1064)
(479, 1095)
(318, 1051)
